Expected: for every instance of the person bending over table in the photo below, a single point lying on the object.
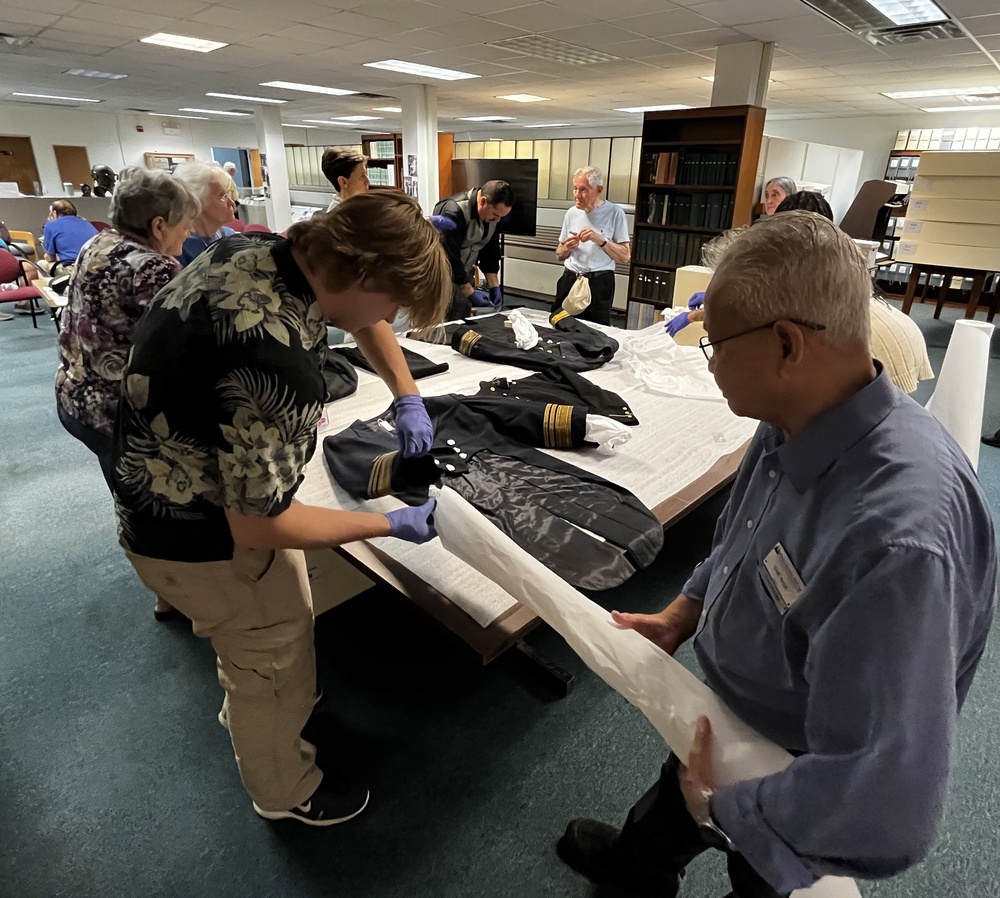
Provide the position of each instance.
(844, 606)
(594, 237)
(210, 184)
(221, 398)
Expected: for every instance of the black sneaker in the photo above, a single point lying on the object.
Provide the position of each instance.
(335, 801)
(588, 847)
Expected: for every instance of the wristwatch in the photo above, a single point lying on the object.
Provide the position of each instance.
(711, 832)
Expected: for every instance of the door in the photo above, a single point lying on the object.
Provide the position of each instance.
(74, 166)
(17, 163)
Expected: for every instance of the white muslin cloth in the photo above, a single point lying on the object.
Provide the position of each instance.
(525, 335)
(607, 433)
(670, 696)
(961, 386)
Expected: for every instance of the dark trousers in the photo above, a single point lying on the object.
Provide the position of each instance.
(602, 295)
(94, 440)
(659, 831)
(460, 306)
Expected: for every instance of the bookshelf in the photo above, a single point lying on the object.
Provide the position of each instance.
(697, 175)
(385, 159)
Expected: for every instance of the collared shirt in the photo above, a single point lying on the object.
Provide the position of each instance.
(881, 516)
(113, 281)
(220, 400)
(608, 219)
(65, 236)
(196, 244)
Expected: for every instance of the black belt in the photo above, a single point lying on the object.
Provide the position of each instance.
(590, 274)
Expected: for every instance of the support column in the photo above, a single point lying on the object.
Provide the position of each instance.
(420, 139)
(741, 74)
(271, 143)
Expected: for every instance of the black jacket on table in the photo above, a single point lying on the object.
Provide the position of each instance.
(569, 343)
(593, 533)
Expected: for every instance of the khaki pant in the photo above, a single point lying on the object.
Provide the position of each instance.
(257, 611)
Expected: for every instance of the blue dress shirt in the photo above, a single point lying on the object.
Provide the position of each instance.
(882, 517)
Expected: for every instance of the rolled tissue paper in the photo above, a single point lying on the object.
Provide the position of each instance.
(670, 696)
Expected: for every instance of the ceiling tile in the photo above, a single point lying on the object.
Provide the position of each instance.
(979, 25)
(27, 21)
(792, 27)
(539, 18)
(666, 23)
(316, 38)
(414, 13)
(59, 7)
(740, 12)
(600, 9)
(705, 40)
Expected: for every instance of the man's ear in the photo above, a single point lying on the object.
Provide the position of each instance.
(792, 339)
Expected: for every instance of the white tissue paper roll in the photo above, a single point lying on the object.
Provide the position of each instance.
(961, 386)
(664, 690)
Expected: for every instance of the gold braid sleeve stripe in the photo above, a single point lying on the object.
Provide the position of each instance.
(557, 422)
(469, 339)
(380, 478)
(559, 316)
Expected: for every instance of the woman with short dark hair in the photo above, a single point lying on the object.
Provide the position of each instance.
(347, 170)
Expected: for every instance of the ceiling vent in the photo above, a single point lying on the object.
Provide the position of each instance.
(914, 34)
(865, 16)
(557, 51)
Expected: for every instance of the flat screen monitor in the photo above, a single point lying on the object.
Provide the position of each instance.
(521, 174)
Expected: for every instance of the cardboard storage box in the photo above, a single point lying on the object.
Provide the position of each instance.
(985, 258)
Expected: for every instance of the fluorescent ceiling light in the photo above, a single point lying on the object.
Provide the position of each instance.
(87, 73)
(289, 125)
(213, 111)
(242, 97)
(711, 79)
(53, 97)
(487, 118)
(359, 118)
(524, 98)
(182, 42)
(552, 125)
(325, 121)
(309, 88)
(414, 68)
(387, 109)
(962, 109)
(200, 118)
(939, 92)
(668, 108)
(910, 12)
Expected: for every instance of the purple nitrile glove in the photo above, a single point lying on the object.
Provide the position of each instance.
(677, 323)
(413, 424)
(697, 300)
(413, 524)
(496, 297)
(480, 299)
(442, 222)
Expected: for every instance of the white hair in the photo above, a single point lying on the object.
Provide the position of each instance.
(799, 266)
(594, 176)
(786, 184)
(229, 166)
(200, 177)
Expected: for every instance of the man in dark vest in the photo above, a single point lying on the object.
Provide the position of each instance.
(475, 240)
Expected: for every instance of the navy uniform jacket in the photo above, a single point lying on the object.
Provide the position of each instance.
(569, 343)
(483, 449)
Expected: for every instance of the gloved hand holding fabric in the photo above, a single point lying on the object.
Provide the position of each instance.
(415, 524)
(480, 299)
(697, 300)
(496, 297)
(442, 222)
(414, 426)
(678, 323)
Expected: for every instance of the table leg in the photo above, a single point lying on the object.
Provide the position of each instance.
(911, 289)
(978, 282)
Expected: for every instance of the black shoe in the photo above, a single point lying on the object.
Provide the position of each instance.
(993, 440)
(335, 801)
(588, 847)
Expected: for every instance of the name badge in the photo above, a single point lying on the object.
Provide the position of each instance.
(782, 581)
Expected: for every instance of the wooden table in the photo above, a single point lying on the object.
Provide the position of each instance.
(948, 272)
(656, 465)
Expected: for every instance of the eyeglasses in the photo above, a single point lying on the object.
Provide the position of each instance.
(707, 345)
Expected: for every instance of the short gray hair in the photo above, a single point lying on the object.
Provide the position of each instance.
(200, 176)
(594, 176)
(799, 266)
(229, 167)
(713, 252)
(146, 195)
(786, 184)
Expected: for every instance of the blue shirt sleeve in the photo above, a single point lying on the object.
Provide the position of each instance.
(882, 667)
(49, 237)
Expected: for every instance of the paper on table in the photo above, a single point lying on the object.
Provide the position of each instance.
(961, 386)
(666, 692)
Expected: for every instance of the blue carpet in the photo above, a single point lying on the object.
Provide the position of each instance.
(117, 780)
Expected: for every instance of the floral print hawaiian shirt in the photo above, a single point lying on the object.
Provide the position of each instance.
(113, 281)
(221, 396)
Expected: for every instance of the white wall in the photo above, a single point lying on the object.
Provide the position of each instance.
(113, 139)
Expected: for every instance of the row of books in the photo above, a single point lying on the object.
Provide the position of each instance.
(692, 210)
(649, 283)
(382, 149)
(690, 167)
(382, 175)
(640, 314)
(670, 247)
(902, 168)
